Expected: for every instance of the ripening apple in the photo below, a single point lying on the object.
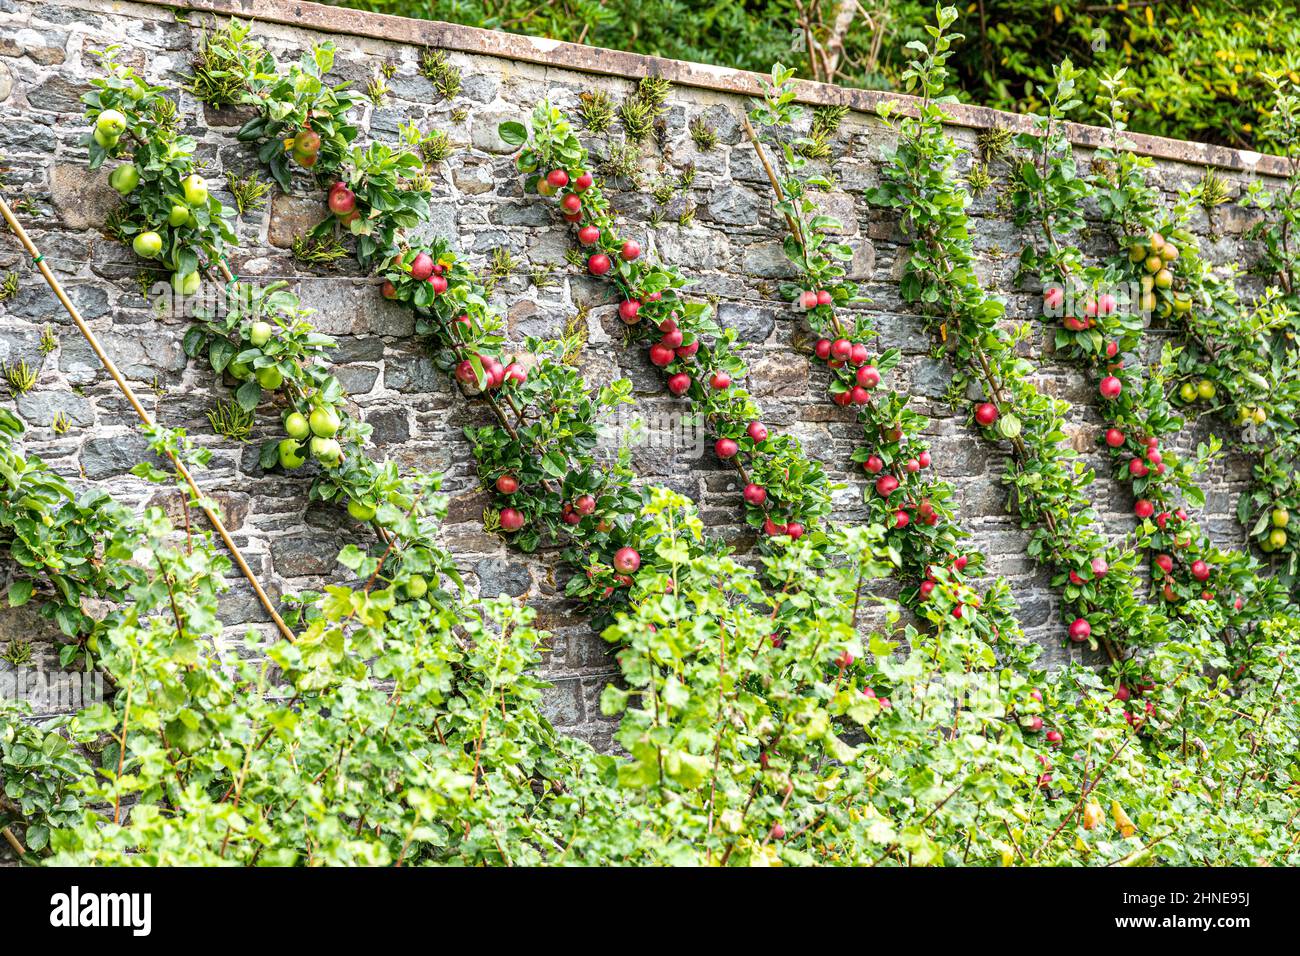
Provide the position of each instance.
(986, 413)
(342, 200)
(111, 123)
(583, 182)
(361, 510)
(421, 267)
(629, 311)
(873, 464)
(290, 454)
(1110, 387)
(186, 284)
(858, 355)
(901, 519)
(661, 355)
(1099, 567)
(672, 338)
(195, 189)
(627, 560)
(511, 519)
(824, 297)
(1137, 469)
(841, 349)
(823, 349)
(859, 395)
(147, 245)
(599, 264)
(1114, 437)
(757, 431)
(269, 377)
(588, 235)
(679, 384)
(507, 484)
(886, 485)
(326, 450)
(296, 426)
(572, 204)
(1144, 509)
(795, 530)
(808, 300)
(687, 350)
(755, 494)
(388, 290)
(585, 505)
(557, 178)
(324, 421)
(868, 376)
(631, 250)
(720, 380)
(1080, 630)
(1200, 570)
(725, 447)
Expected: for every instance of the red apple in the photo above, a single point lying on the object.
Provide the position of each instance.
(1200, 570)
(725, 447)
(572, 204)
(672, 338)
(924, 459)
(631, 250)
(583, 182)
(823, 349)
(1165, 563)
(795, 530)
(627, 560)
(679, 384)
(757, 432)
(507, 484)
(661, 355)
(439, 284)
(1137, 469)
(873, 464)
(841, 349)
(1054, 738)
(1114, 437)
(629, 310)
(557, 178)
(599, 264)
(421, 267)
(1100, 568)
(587, 235)
(755, 495)
(1080, 630)
(902, 519)
(585, 505)
(511, 520)
(720, 380)
(986, 413)
(859, 395)
(868, 376)
(1144, 509)
(886, 485)
(388, 290)
(342, 200)
(1110, 387)
(858, 354)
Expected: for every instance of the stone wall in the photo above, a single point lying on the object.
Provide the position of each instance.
(732, 248)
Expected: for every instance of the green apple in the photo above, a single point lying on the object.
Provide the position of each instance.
(416, 587)
(147, 245)
(186, 284)
(259, 333)
(324, 422)
(240, 371)
(1188, 392)
(326, 450)
(111, 123)
(179, 215)
(361, 510)
(296, 425)
(291, 454)
(104, 139)
(269, 377)
(1277, 538)
(195, 189)
(124, 179)
(1260, 416)
(1281, 517)
(1205, 388)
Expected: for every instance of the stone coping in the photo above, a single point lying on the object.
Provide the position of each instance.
(586, 59)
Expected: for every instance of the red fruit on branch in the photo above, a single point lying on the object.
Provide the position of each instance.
(599, 264)
(679, 384)
(686, 351)
(841, 349)
(886, 485)
(873, 464)
(672, 338)
(859, 395)
(629, 310)
(583, 182)
(516, 373)
(1054, 738)
(1144, 509)
(627, 560)
(924, 459)
(572, 204)
(388, 290)
(823, 349)
(1035, 724)
(585, 505)
(845, 659)
(511, 520)
(757, 431)
(661, 355)
(1075, 579)
(557, 178)
(507, 484)
(926, 589)
(1054, 298)
(1110, 387)
(771, 528)
(631, 250)
(1154, 457)
(421, 267)
(1137, 469)
(858, 354)
(1114, 437)
(725, 448)
(1200, 570)
(1165, 563)
(1112, 349)
(465, 373)
(569, 516)
(986, 413)
(824, 297)
(868, 376)
(720, 380)
(1105, 304)
(342, 200)
(902, 519)
(1080, 630)
(439, 284)
(795, 530)
(1036, 694)
(588, 235)
(808, 300)
(1100, 568)
(961, 561)
(842, 398)
(912, 466)
(754, 494)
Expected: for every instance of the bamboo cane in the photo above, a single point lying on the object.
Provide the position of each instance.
(108, 364)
